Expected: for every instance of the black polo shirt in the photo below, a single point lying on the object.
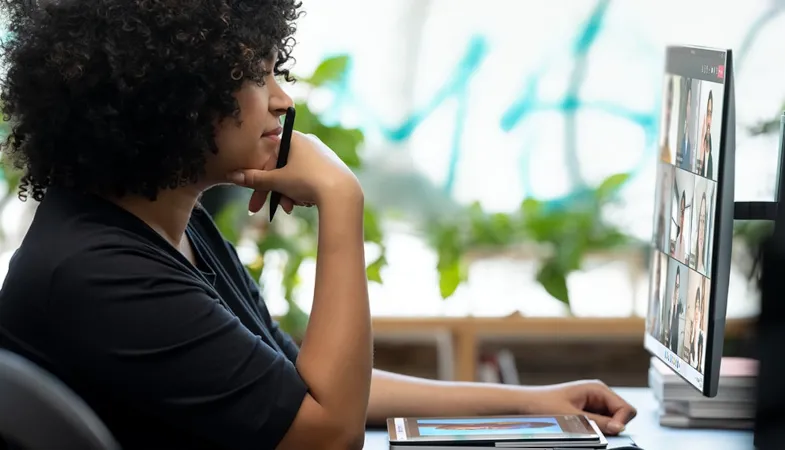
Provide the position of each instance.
(169, 355)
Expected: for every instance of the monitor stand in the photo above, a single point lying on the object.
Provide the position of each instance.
(770, 333)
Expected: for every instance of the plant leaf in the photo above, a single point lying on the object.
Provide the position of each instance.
(610, 186)
(295, 321)
(228, 221)
(345, 142)
(372, 231)
(554, 280)
(274, 241)
(449, 278)
(329, 70)
(374, 269)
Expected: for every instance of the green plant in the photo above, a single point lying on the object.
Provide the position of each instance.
(565, 234)
(295, 236)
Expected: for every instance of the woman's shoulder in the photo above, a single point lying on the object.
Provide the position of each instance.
(75, 238)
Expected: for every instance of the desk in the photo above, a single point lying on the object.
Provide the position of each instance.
(644, 430)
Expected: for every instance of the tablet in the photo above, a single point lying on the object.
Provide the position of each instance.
(495, 431)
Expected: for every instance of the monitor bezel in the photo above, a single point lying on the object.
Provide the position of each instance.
(723, 235)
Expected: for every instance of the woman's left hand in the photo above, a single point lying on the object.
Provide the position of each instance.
(591, 398)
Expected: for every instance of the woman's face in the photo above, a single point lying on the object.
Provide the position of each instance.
(253, 140)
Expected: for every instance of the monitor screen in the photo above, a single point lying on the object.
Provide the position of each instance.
(685, 211)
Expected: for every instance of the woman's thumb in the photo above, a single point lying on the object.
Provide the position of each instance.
(260, 180)
(608, 426)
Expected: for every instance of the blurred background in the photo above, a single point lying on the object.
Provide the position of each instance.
(507, 151)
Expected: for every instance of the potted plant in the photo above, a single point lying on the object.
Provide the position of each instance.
(559, 236)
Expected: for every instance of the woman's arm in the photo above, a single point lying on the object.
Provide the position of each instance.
(335, 358)
(395, 395)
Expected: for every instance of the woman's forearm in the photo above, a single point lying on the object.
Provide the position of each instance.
(336, 355)
(395, 395)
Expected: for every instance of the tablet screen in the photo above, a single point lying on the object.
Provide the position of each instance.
(485, 426)
(507, 428)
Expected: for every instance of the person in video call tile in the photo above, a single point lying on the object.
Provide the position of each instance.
(697, 337)
(705, 164)
(660, 240)
(653, 322)
(672, 341)
(124, 113)
(700, 250)
(678, 248)
(686, 145)
(665, 149)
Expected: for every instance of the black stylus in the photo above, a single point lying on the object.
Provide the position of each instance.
(283, 156)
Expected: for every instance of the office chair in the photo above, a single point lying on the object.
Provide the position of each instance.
(39, 412)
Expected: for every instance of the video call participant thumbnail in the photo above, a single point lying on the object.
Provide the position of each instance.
(705, 163)
(674, 305)
(659, 263)
(681, 224)
(697, 311)
(666, 155)
(685, 157)
(701, 226)
(662, 202)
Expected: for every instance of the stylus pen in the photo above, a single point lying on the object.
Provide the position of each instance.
(283, 156)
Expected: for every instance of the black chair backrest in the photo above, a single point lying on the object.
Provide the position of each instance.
(39, 412)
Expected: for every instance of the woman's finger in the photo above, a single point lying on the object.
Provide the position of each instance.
(287, 204)
(258, 198)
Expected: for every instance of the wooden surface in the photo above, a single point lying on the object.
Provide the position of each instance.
(644, 430)
(467, 332)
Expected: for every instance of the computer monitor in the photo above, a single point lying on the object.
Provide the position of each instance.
(693, 215)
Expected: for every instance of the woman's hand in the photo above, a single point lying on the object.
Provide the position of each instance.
(313, 174)
(591, 398)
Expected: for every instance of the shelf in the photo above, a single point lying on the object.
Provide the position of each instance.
(468, 332)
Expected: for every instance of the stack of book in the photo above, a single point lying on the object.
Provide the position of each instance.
(682, 406)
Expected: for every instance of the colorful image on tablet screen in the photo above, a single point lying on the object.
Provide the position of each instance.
(480, 426)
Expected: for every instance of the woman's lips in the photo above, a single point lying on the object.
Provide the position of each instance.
(274, 135)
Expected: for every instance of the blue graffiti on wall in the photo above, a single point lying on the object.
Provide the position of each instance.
(528, 103)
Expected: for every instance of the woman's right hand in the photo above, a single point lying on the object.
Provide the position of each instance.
(313, 175)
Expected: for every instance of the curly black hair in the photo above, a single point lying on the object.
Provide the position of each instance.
(121, 96)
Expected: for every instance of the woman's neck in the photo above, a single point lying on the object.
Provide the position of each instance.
(168, 215)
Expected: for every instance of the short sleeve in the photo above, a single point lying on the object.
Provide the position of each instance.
(144, 329)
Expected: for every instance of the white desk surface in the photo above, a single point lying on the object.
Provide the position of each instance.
(644, 430)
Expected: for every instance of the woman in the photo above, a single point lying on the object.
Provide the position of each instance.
(662, 218)
(674, 312)
(123, 113)
(686, 146)
(665, 149)
(697, 335)
(653, 317)
(700, 250)
(705, 163)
